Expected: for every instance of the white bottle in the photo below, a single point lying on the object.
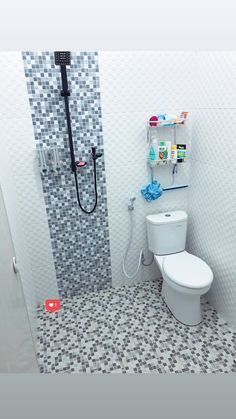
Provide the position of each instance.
(168, 149)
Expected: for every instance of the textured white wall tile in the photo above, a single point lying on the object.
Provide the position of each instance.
(215, 80)
(30, 200)
(43, 275)
(146, 81)
(17, 137)
(134, 86)
(212, 197)
(17, 232)
(214, 137)
(14, 101)
(40, 248)
(17, 353)
(22, 189)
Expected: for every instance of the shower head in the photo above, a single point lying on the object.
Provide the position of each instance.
(62, 57)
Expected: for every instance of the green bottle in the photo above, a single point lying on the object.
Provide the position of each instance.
(162, 152)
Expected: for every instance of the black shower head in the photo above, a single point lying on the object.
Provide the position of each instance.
(62, 57)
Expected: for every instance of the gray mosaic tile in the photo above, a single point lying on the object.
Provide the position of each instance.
(80, 243)
(131, 330)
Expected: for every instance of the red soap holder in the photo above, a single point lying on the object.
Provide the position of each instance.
(80, 164)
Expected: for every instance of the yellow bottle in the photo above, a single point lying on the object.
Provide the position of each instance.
(174, 153)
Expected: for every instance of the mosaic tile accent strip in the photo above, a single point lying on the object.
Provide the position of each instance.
(131, 330)
(80, 242)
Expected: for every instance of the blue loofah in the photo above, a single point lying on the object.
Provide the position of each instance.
(152, 191)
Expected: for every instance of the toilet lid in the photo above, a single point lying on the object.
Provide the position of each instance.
(187, 270)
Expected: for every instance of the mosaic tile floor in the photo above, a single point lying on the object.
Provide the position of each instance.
(130, 330)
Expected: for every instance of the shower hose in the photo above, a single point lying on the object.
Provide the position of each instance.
(141, 255)
(73, 163)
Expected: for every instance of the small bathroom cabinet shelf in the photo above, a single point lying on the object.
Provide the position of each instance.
(165, 162)
(152, 128)
(164, 124)
(151, 131)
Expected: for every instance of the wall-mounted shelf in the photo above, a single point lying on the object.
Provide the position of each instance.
(164, 162)
(151, 131)
(165, 124)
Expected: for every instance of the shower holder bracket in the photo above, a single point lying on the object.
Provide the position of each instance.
(67, 93)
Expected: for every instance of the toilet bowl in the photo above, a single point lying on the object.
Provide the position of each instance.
(185, 277)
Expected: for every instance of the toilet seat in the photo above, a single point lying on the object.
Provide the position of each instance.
(187, 270)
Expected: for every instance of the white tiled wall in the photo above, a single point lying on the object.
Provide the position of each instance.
(134, 86)
(17, 353)
(212, 197)
(21, 186)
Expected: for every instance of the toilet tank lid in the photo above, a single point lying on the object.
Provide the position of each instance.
(167, 217)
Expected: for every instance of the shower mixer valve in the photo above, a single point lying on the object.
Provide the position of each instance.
(95, 155)
(79, 163)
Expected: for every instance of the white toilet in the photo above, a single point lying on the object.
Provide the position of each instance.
(185, 276)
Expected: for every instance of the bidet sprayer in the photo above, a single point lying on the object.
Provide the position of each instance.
(131, 205)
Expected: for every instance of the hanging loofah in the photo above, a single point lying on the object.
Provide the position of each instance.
(152, 191)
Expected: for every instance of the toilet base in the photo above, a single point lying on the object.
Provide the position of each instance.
(185, 307)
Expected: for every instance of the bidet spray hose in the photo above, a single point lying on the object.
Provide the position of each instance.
(127, 250)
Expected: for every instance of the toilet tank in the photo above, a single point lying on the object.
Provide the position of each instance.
(166, 232)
